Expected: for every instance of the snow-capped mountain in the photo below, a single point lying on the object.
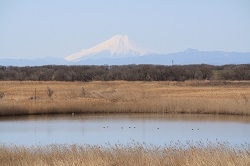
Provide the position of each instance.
(116, 47)
(118, 50)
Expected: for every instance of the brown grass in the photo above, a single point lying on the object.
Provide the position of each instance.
(23, 98)
(134, 154)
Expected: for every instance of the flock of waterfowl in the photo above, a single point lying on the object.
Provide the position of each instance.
(122, 127)
(135, 127)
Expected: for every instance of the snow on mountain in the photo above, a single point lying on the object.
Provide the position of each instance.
(117, 46)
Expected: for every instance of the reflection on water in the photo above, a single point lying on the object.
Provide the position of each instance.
(156, 129)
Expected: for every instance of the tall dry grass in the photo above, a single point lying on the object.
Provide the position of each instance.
(134, 154)
(22, 98)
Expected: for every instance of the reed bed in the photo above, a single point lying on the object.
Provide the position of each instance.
(193, 97)
(208, 154)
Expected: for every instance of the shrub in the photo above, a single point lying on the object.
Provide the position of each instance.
(1, 94)
(83, 93)
(49, 92)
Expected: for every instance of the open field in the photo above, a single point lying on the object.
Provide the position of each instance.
(136, 154)
(197, 97)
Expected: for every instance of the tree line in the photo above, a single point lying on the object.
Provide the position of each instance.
(126, 72)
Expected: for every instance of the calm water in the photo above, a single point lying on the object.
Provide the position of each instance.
(123, 129)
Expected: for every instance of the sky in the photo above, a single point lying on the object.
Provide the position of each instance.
(57, 28)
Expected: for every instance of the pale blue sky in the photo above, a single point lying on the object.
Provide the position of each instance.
(58, 28)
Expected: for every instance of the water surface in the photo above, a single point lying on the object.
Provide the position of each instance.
(156, 129)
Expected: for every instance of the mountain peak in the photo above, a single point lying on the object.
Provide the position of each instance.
(120, 37)
(116, 46)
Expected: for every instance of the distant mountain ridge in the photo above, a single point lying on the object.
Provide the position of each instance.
(179, 58)
(34, 62)
(119, 50)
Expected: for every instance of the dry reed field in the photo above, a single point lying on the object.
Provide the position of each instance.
(191, 97)
(196, 97)
(136, 154)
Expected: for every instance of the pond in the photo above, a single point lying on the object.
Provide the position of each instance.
(155, 129)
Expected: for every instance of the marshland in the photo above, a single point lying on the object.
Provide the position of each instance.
(119, 83)
(192, 97)
(183, 119)
(34, 99)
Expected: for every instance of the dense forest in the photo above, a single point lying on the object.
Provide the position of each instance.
(126, 72)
